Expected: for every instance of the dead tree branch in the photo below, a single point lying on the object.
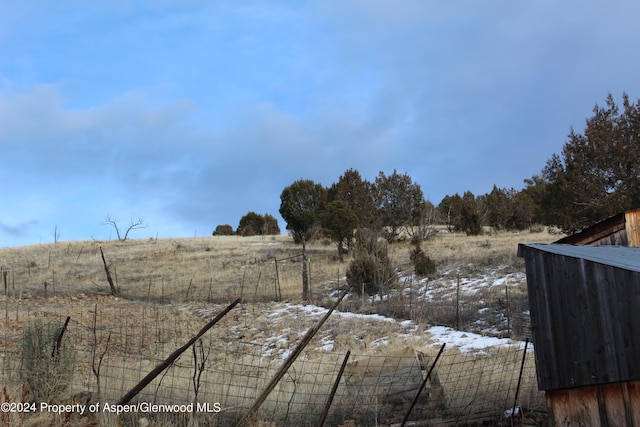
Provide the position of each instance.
(135, 223)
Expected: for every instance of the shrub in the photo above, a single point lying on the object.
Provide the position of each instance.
(253, 224)
(361, 274)
(271, 226)
(422, 264)
(223, 230)
(371, 267)
(47, 362)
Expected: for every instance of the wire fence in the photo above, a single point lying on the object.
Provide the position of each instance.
(499, 307)
(496, 309)
(267, 278)
(216, 381)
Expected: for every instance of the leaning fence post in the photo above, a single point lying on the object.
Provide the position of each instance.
(287, 364)
(56, 349)
(524, 357)
(169, 360)
(334, 389)
(114, 289)
(415, 400)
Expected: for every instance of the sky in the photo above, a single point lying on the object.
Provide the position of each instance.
(192, 113)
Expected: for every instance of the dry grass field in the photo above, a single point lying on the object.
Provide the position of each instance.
(178, 269)
(169, 288)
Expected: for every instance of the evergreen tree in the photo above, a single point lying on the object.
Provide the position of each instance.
(270, 225)
(399, 202)
(223, 230)
(499, 208)
(250, 225)
(339, 222)
(470, 215)
(357, 194)
(598, 172)
(508, 209)
(300, 206)
(461, 213)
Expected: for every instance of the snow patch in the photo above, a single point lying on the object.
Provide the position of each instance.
(467, 342)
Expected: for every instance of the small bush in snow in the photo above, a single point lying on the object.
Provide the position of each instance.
(371, 268)
(422, 264)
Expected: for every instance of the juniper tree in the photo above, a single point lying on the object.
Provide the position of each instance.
(300, 206)
(339, 222)
(597, 174)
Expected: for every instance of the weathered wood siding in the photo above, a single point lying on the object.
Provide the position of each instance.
(585, 317)
(615, 404)
(632, 220)
(619, 230)
(611, 231)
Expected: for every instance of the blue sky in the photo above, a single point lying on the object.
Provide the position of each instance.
(192, 113)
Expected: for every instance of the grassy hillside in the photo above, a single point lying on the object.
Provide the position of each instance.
(225, 266)
(170, 288)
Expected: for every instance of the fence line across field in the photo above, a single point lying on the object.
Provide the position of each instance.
(269, 278)
(376, 387)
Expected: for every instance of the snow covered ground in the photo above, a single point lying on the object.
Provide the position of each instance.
(278, 326)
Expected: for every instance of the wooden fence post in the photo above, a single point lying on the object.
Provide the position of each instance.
(334, 389)
(288, 362)
(415, 400)
(515, 400)
(173, 356)
(114, 290)
(278, 289)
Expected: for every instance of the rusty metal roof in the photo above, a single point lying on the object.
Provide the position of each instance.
(624, 257)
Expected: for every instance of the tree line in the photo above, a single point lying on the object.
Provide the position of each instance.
(595, 175)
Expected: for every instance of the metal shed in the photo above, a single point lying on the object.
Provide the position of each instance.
(585, 315)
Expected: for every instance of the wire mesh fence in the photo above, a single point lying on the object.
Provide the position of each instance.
(262, 279)
(217, 380)
(481, 305)
(472, 301)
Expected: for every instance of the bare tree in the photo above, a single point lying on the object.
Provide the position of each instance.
(134, 224)
(56, 234)
(424, 228)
